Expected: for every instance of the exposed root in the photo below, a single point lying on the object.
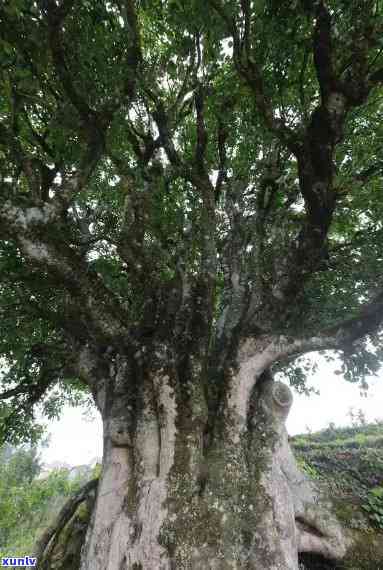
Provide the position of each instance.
(316, 527)
(45, 545)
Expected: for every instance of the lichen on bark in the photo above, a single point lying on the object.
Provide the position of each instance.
(235, 503)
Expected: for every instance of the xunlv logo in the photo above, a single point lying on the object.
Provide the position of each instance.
(16, 562)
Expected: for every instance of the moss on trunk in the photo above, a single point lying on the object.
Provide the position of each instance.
(346, 463)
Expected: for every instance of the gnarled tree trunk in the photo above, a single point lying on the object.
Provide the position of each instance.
(197, 478)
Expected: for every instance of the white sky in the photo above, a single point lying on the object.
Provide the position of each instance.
(77, 441)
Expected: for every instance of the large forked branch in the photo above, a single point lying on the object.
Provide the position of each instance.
(314, 150)
(102, 314)
(195, 173)
(259, 354)
(316, 167)
(316, 158)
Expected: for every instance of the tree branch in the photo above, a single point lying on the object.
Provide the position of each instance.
(201, 131)
(250, 71)
(93, 123)
(322, 47)
(132, 61)
(56, 16)
(128, 11)
(101, 312)
(47, 541)
(162, 120)
(24, 407)
(222, 136)
(368, 321)
(21, 389)
(337, 337)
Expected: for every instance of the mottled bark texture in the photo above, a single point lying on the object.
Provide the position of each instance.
(179, 491)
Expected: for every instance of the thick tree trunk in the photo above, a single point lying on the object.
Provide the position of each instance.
(178, 492)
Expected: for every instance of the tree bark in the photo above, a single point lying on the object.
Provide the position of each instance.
(179, 491)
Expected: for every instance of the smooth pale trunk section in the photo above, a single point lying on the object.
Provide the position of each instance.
(122, 535)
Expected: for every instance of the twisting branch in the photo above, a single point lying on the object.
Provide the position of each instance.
(280, 348)
(47, 541)
(315, 169)
(132, 62)
(337, 337)
(315, 156)
(162, 120)
(94, 123)
(250, 71)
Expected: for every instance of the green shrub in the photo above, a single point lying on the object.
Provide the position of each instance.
(27, 503)
(374, 506)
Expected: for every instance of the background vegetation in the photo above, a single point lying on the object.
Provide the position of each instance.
(29, 503)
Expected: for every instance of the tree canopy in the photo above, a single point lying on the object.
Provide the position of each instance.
(186, 169)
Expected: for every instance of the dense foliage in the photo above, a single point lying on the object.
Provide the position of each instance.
(153, 150)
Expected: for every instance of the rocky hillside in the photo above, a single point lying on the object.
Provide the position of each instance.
(348, 464)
